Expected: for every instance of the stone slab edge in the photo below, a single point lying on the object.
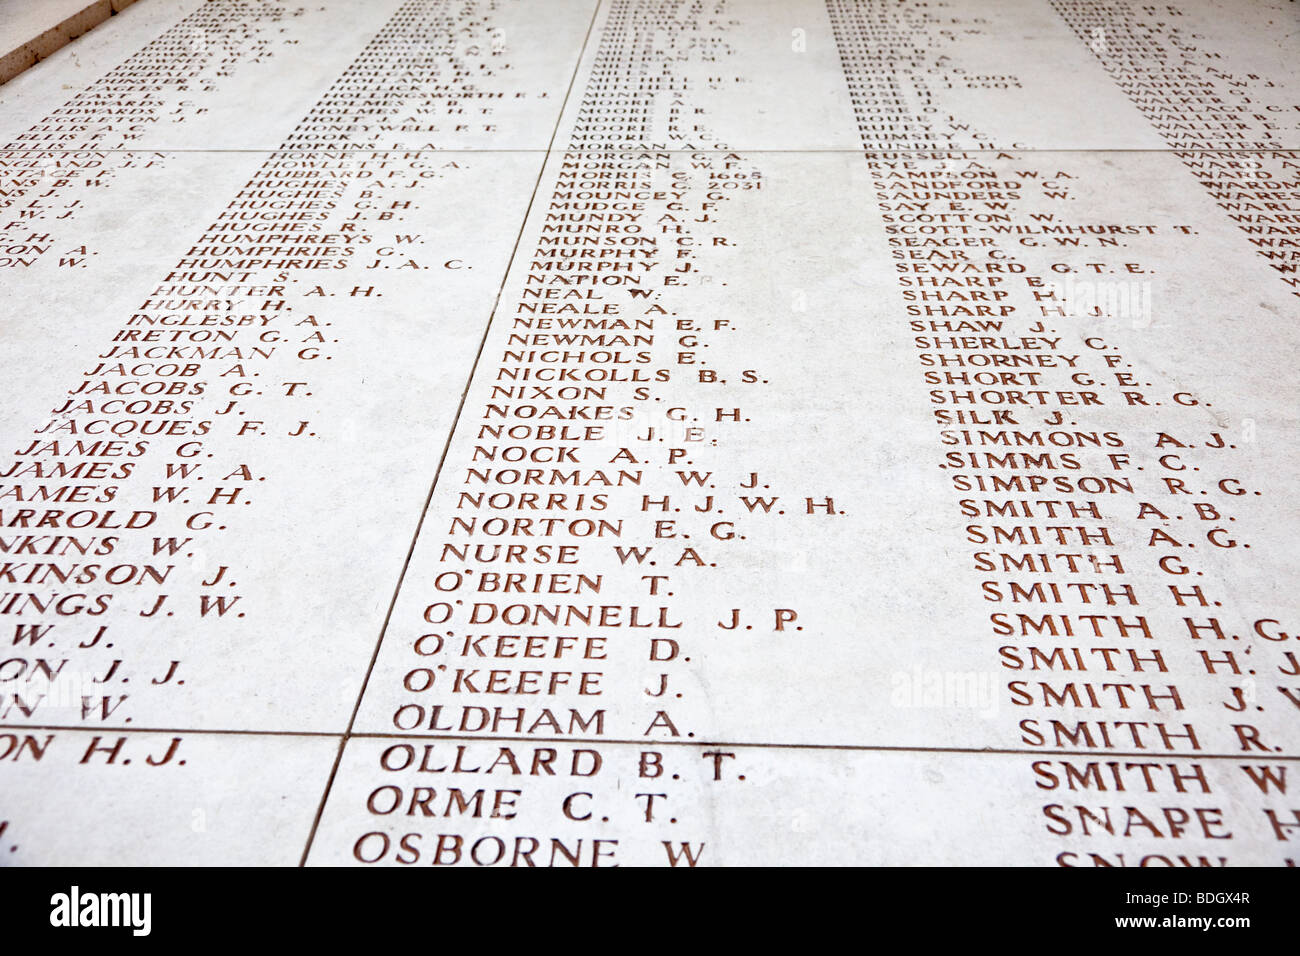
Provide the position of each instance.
(28, 53)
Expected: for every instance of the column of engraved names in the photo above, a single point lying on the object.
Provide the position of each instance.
(58, 545)
(1234, 129)
(1051, 440)
(125, 511)
(527, 705)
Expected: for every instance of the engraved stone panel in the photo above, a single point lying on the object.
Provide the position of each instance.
(622, 432)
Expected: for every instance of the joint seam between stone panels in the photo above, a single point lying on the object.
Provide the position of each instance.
(469, 380)
(173, 730)
(630, 742)
(625, 146)
(860, 748)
